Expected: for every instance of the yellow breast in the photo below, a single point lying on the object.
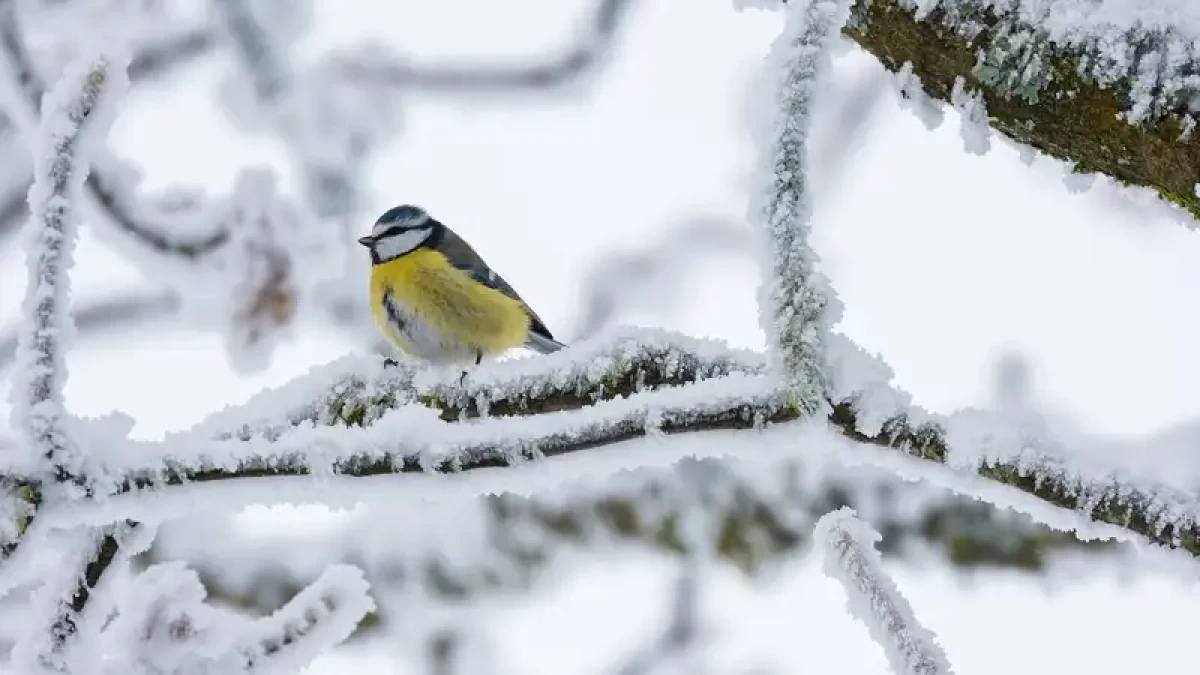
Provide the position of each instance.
(449, 301)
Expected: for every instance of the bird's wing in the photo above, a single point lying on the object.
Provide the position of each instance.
(460, 254)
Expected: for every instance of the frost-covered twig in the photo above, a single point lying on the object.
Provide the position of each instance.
(761, 515)
(85, 555)
(297, 429)
(75, 115)
(104, 314)
(850, 557)
(263, 61)
(148, 63)
(413, 438)
(165, 625)
(20, 60)
(797, 305)
(587, 52)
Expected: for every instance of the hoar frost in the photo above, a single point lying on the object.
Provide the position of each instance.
(798, 306)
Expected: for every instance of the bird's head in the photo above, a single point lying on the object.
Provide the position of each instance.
(400, 230)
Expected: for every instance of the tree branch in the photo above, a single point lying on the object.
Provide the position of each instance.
(20, 60)
(850, 557)
(596, 392)
(1107, 98)
(105, 314)
(148, 63)
(586, 52)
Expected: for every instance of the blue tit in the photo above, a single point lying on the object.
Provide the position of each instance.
(436, 299)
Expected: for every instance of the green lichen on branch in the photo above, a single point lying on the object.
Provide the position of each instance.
(1045, 94)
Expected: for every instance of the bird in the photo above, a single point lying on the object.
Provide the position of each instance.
(437, 300)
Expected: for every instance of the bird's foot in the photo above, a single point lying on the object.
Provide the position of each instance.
(389, 362)
(462, 379)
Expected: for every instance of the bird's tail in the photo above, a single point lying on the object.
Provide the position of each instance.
(542, 344)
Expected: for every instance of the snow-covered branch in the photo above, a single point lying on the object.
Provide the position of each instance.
(104, 314)
(850, 557)
(762, 515)
(21, 66)
(1104, 85)
(585, 54)
(85, 554)
(75, 117)
(357, 417)
(797, 304)
(151, 61)
(164, 625)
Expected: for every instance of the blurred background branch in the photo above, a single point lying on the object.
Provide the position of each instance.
(959, 529)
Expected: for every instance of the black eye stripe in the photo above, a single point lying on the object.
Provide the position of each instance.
(391, 231)
(399, 229)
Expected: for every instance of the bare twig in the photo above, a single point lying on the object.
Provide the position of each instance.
(73, 115)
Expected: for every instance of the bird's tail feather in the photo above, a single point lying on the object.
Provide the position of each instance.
(542, 344)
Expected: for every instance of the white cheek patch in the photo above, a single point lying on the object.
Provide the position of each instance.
(399, 244)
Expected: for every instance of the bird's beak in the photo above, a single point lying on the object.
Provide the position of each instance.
(366, 241)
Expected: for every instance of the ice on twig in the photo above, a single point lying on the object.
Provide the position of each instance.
(848, 545)
(164, 625)
(76, 115)
(797, 304)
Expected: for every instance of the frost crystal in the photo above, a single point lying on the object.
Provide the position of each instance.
(75, 116)
(797, 305)
(913, 97)
(850, 557)
(974, 123)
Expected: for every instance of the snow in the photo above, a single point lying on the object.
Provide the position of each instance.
(1149, 42)
(797, 304)
(868, 369)
(164, 626)
(914, 98)
(974, 123)
(75, 116)
(874, 599)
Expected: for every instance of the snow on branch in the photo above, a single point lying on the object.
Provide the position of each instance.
(85, 554)
(76, 115)
(1107, 86)
(797, 304)
(357, 417)
(22, 68)
(164, 625)
(761, 514)
(235, 262)
(850, 557)
(587, 53)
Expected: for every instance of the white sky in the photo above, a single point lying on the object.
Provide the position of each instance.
(944, 260)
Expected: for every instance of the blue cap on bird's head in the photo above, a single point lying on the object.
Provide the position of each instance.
(405, 215)
(394, 220)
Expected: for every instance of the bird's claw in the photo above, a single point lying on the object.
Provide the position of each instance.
(389, 362)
